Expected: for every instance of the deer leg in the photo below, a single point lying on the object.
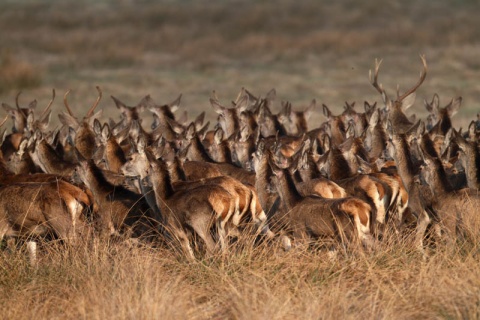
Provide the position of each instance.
(221, 234)
(422, 224)
(185, 243)
(201, 225)
(32, 252)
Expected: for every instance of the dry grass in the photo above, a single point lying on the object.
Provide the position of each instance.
(117, 281)
(303, 49)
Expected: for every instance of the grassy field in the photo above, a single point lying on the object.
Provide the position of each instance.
(303, 49)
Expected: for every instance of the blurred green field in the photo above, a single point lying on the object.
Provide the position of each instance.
(303, 49)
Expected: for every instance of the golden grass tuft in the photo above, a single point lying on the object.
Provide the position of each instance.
(117, 280)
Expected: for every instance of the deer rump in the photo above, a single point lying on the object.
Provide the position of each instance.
(339, 220)
(42, 208)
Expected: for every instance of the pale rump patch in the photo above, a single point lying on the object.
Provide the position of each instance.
(357, 208)
(32, 252)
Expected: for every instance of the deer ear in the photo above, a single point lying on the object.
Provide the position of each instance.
(106, 133)
(350, 131)
(260, 147)
(309, 111)
(218, 135)
(190, 132)
(43, 123)
(216, 106)
(175, 104)
(199, 120)
(33, 104)
(30, 119)
(326, 111)
(433, 106)
(472, 130)
(327, 142)
(97, 127)
(421, 129)
(408, 101)
(374, 118)
(141, 144)
(454, 106)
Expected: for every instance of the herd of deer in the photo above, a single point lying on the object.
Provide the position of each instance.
(345, 182)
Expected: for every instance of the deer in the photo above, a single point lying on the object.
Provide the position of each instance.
(295, 122)
(55, 207)
(196, 208)
(338, 220)
(113, 154)
(440, 119)
(81, 133)
(120, 211)
(245, 198)
(470, 153)
(307, 176)
(350, 116)
(338, 168)
(454, 207)
(420, 201)
(404, 101)
(193, 150)
(23, 119)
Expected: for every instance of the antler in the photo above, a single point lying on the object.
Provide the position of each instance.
(90, 112)
(3, 121)
(49, 105)
(374, 80)
(18, 105)
(66, 103)
(423, 75)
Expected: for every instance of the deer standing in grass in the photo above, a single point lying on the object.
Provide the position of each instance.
(197, 208)
(339, 220)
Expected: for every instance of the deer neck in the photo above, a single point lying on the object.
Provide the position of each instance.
(263, 174)
(339, 166)
(47, 159)
(378, 142)
(220, 152)
(232, 124)
(439, 183)
(196, 151)
(428, 145)
(176, 171)
(97, 182)
(114, 155)
(287, 190)
(472, 165)
(85, 141)
(403, 160)
(162, 186)
(399, 119)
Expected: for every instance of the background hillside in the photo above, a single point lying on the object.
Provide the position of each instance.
(304, 49)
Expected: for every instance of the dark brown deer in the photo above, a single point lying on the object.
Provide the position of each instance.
(55, 207)
(119, 210)
(81, 132)
(470, 153)
(315, 218)
(397, 107)
(24, 122)
(454, 207)
(419, 201)
(196, 208)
